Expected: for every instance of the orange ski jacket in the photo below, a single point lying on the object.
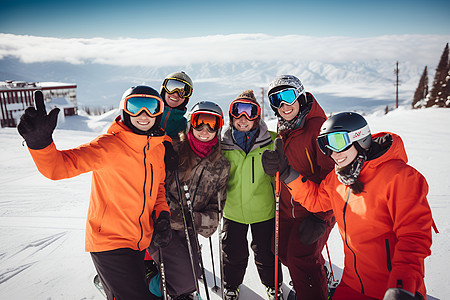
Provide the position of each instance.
(127, 184)
(386, 229)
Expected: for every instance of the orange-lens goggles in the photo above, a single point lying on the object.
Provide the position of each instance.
(245, 107)
(135, 104)
(213, 122)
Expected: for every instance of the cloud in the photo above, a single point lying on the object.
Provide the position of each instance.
(158, 52)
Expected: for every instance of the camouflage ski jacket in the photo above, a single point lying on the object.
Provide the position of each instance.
(206, 182)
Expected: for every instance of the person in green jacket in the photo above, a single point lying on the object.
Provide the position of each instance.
(250, 198)
(176, 91)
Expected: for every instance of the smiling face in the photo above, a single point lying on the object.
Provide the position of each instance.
(243, 124)
(344, 158)
(173, 100)
(143, 121)
(202, 134)
(289, 112)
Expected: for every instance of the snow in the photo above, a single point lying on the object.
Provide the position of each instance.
(42, 221)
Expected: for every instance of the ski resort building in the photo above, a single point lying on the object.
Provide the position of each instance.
(16, 96)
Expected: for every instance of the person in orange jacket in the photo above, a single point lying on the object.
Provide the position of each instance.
(380, 204)
(128, 204)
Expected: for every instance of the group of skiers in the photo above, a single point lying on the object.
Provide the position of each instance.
(162, 176)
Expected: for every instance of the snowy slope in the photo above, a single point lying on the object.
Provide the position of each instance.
(42, 221)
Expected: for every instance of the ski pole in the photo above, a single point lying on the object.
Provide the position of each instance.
(163, 274)
(219, 206)
(329, 259)
(277, 221)
(188, 240)
(215, 288)
(200, 259)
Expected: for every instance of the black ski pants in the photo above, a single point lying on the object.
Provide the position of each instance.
(235, 252)
(122, 273)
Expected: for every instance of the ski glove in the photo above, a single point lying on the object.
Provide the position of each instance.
(401, 294)
(162, 232)
(35, 126)
(274, 161)
(311, 229)
(170, 157)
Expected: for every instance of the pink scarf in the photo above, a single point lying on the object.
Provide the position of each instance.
(202, 149)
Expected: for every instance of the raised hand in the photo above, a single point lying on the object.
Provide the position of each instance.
(35, 126)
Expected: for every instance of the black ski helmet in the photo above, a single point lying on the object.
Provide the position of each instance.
(183, 77)
(207, 107)
(349, 122)
(142, 90)
(288, 81)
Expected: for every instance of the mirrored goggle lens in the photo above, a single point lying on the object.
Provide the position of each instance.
(182, 88)
(288, 96)
(250, 110)
(336, 141)
(135, 104)
(212, 121)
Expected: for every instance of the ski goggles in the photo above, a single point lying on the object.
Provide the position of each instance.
(179, 86)
(135, 104)
(212, 121)
(288, 96)
(245, 107)
(341, 140)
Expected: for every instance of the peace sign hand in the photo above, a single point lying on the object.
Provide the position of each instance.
(35, 126)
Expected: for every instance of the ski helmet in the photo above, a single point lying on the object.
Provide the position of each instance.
(139, 90)
(206, 107)
(288, 81)
(182, 76)
(348, 122)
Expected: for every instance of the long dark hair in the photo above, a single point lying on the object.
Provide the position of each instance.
(187, 156)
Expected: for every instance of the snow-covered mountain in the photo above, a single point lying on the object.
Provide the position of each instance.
(360, 86)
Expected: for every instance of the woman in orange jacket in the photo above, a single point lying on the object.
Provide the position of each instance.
(380, 205)
(127, 185)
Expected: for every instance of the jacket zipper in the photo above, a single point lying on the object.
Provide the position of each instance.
(143, 190)
(388, 255)
(253, 169)
(346, 241)
(167, 118)
(312, 171)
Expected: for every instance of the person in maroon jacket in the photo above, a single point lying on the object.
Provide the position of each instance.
(302, 235)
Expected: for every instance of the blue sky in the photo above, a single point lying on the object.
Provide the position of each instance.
(178, 19)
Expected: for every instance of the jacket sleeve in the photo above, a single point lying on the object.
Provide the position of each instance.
(59, 164)
(207, 220)
(312, 196)
(412, 220)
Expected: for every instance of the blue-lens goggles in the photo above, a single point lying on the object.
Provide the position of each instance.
(135, 104)
(288, 96)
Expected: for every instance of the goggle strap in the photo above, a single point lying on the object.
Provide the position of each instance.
(359, 134)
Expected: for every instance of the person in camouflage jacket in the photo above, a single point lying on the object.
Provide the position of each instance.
(204, 170)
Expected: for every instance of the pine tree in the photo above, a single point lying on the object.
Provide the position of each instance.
(421, 91)
(447, 89)
(437, 96)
